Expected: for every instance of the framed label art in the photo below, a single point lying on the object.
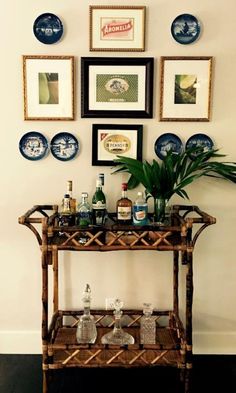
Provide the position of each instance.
(185, 88)
(48, 87)
(110, 140)
(117, 28)
(116, 87)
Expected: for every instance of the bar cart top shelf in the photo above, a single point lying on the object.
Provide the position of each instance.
(177, 234)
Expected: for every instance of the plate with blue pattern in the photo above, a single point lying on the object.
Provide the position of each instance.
(33, 146)
(48, 28)
(185, 29)
(201, 141)
(64, 146)
(167, 142)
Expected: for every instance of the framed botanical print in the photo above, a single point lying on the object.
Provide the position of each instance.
(117, 28)
(185, 88)
(110, 140)
(48, 87)
(117, 87)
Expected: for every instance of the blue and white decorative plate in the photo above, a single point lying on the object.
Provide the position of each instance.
(200, 140)
(64, 146)
(185, 29)
(167, 142)
(48, 28)
(33, 146)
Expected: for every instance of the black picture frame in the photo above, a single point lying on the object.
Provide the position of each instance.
(105, 140)
(117, 87)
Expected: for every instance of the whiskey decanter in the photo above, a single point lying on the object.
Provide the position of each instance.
(86, 330)
(147, 325)
(117, 336)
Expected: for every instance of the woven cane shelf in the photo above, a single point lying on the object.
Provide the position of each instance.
(173, 345)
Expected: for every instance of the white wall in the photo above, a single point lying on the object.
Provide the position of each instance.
(136, 276)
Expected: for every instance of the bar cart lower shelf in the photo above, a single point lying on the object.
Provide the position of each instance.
(173, 345)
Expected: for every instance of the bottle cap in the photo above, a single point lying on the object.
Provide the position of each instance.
(84, 194)
(101, 177)
(124, 186)
(69, 185)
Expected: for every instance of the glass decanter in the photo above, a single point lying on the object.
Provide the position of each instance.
(147, 325)
(86, 331)
(117, 336)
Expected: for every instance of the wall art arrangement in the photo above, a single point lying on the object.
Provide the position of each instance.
(33, 146)
(114, 87)
(117, 87)
(117, 28)
(110, 140)
(185, 88)
(48, 87)
(170, 141)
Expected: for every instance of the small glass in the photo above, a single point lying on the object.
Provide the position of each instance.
(117, 336)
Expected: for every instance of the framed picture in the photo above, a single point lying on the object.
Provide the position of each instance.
(117, 28)
(117, 87)
(48, 87)
(110, 140)
(185, 88)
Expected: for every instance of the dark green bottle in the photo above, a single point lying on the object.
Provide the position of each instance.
(98, 205)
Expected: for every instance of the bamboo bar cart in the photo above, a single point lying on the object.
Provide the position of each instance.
(173, 340)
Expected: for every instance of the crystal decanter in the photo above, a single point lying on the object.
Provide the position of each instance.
(117, 336)
(86, 330)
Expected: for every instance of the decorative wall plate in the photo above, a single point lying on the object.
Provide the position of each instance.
(33, 146)
(199, 140)
(64, 146)
(185, 29)
(167, 142)
(48, 28)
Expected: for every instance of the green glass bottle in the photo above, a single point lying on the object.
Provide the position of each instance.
(98, 205)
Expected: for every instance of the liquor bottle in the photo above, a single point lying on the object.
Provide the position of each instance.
(147, 326)
(98, 205)
(124, 207)
(84, 217)
(86, 330)
(72, 200)
(140, 210)
(66, 217)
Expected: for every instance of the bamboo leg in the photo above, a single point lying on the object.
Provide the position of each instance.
(189, 302)
(176, 282)
(55, 278)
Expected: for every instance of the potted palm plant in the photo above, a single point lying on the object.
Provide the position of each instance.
(163, 179)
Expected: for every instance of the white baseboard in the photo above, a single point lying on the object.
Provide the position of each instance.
(29, 342)
(222, 343)
(20, 342)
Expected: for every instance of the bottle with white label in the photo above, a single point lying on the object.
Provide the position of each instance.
(124, 207)
(140, 210)
(98, 205)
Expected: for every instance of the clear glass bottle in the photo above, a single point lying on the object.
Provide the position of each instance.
(117, 336)
(124, 207)
(98, 205)
(84, 214)
(86, 330)
(69, 191)
(140, 210)
(147, 325)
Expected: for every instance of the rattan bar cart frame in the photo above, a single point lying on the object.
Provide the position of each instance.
(173, 340)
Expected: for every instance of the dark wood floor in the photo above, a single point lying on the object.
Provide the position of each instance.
(211, 374)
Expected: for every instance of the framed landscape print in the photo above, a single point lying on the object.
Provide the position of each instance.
(48, 87)
(185, 88)
(117, 87)
(110, 140)
(117, 28)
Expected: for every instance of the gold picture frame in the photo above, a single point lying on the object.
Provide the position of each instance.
(48, 83)
(185, 88)
(117, 28)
